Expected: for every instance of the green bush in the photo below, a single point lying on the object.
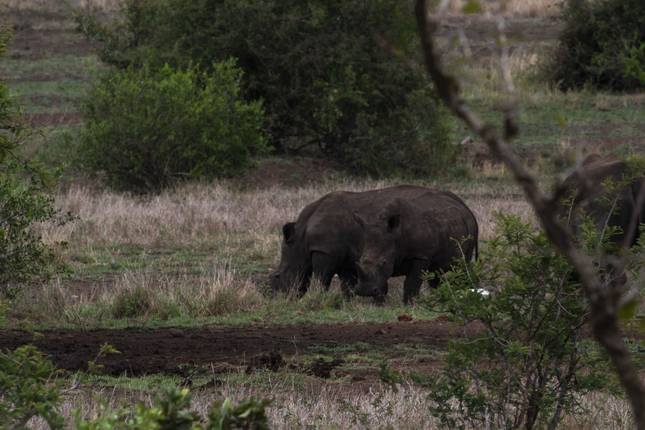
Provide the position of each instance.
(29, 389)
(529, 362)
(602, 45)
(325, 69)
(23, 202)
(146, 129)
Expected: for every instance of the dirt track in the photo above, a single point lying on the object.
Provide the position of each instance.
(163, 350)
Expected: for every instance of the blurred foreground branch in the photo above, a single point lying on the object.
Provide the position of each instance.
(605, 300)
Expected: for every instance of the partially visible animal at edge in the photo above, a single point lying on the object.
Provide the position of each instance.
(325, 240)
(409, 237)
(607, 191)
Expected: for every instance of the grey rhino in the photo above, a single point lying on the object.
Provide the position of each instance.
(411, 236)
(606, 190)
(326, 240)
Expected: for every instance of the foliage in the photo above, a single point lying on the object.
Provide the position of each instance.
(528, 364)
(28, 389)
(602, 45)
(171, 410)
(146, 129)
(23, 201)
(331, 72)
(249, 414)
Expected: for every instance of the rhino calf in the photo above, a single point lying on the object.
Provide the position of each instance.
(408, 237)
(325, 239)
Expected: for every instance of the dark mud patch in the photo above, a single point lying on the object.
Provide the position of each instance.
(144, 351)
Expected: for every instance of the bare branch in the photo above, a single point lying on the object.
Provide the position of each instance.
(604, 302)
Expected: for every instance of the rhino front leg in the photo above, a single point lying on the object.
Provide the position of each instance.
(348, 282)
(413, 280)
(324, 267)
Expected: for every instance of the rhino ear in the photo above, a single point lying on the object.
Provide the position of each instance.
(359, 219)
(393, 222)
(289, 232)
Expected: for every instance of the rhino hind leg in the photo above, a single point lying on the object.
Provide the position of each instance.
(413, 280)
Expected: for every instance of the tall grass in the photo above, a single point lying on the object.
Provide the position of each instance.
(320, 405)
(532, 8)
(198, 213)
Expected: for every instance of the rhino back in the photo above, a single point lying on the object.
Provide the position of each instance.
(331, 227)
(433, 221)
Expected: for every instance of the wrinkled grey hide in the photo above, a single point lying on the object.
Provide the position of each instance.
(410, 236)
(326, 239)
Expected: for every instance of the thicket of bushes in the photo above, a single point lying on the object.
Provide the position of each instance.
(602, 45)
(146, 128)
(23, 202)
(325, 70)
(530, 363)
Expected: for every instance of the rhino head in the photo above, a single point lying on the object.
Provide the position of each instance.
(376, 264)
(293, 262)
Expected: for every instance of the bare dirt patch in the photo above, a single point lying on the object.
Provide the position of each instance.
(144, 351)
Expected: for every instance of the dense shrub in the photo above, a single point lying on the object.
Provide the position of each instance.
(530, 362)
(146, 129)
(325, 69)
(29, 389)
(602, 45)
(23, 202)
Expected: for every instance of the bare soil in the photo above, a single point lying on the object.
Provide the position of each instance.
(144, 351)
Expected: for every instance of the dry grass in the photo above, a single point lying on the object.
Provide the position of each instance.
(48, 5)
(197, 214)
(239, 233)
(532, 8)
(509, 7)
(215, 291)
(333, 406)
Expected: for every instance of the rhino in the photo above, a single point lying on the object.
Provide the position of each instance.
(408, 237)
(325, 240)
(607, 190)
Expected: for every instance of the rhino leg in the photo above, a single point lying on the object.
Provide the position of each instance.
(324, 267)
(413, 280)
(348, 282)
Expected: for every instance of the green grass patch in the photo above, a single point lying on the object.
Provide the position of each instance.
(63, 67)
(49, 96)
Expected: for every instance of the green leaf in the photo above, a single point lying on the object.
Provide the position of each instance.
(472, 7)
(628, 310)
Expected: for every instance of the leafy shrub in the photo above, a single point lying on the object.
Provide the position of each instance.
(324, 68)
(23, 202)
(602, 45)
(146, 129)
(171, 410)
(529, 363)
(27, 389)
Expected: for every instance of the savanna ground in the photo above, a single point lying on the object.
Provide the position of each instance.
(176, 282)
